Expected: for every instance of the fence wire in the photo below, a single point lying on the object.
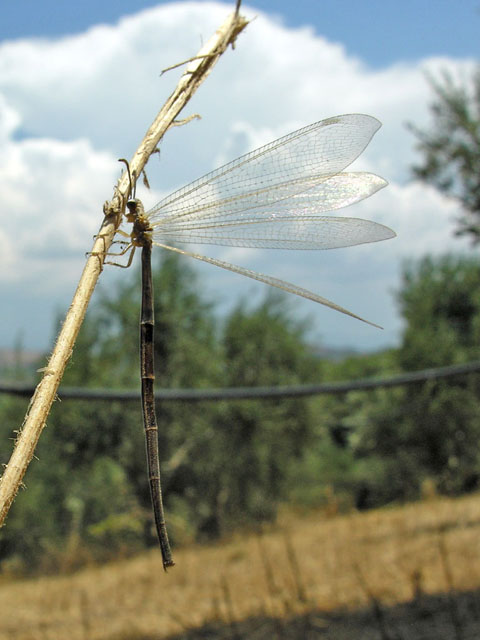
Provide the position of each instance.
(250, 393)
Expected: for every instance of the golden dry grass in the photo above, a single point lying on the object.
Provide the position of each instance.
(345, 562)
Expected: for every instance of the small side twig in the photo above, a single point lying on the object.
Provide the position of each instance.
(44, 394)
(180, 64)
(180, 123)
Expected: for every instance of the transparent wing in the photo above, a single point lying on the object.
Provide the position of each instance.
(319, 232)
(273, 198)
(291, 223)
(274, 282)
(275, 172)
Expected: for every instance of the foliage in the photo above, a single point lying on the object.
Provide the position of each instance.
(264, 347)
(222, 464)
(431, 431)
(231, 464)
(384, 445)
(451, 150)
(440, 302)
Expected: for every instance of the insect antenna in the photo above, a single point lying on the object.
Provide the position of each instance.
(133, 183)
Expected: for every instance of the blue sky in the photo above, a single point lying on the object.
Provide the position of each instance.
(83, 95)
(378, 31)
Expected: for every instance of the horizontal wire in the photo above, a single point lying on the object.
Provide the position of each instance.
(249, 393)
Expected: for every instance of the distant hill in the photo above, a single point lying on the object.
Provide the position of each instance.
(334, 354)
(23, 360)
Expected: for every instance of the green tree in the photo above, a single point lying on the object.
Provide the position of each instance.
(440, 302)
(222, 463)
(236, 461)
(432, 430)
(90, 467)
(264, 346)
(451, 149)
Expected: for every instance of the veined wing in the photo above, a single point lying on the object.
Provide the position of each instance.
(274, 282)
(319, 232)
(280, 169)
(289, 223)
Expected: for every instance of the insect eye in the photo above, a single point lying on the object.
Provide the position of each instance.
(132, 206)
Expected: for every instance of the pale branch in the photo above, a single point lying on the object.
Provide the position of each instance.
(44, 394)
(194, 75)
(181, 64)
(180, 123)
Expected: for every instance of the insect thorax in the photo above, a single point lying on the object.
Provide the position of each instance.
(141, 231)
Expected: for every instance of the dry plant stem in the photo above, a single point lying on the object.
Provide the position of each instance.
(194, 75)
(45, 392)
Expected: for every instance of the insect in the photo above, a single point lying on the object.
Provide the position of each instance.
(270, 198)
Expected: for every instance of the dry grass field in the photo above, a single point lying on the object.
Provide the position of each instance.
(392, 574)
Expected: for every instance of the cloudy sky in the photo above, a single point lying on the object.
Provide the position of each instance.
(80, 83)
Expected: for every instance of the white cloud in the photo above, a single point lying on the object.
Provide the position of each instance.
(70, 107)
(52, 202)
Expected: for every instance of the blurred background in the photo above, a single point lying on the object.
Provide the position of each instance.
(295, 482)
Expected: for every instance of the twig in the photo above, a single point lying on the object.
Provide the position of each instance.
(230, 615)
(377, 610)
(44, 394)
(180, 64)
(451, 593)
(180, 123)
(300, 590)
(273, 590)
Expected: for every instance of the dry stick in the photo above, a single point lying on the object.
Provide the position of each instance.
(451, 593)
(273, 590)
(300, 590)
(44, 394)
(230, 615)
(377, 610)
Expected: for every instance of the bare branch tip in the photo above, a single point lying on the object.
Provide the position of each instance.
(145, 177)
(180, 64)
(180, 123)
